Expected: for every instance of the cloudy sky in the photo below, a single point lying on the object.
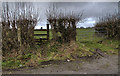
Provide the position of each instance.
(91, 10)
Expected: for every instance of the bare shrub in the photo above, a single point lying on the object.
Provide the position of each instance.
(63, 23)
(109, 26)
(18, 22)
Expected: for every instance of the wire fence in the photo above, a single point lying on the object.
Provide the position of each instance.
(89, 34)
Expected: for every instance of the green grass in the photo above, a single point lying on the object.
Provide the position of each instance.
(88, 38)
(17, 62)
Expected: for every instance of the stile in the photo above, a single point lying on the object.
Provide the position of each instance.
(47, 35)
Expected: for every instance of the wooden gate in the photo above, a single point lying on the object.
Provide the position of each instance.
(39, 35)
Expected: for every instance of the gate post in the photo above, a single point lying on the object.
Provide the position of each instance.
(47, 31)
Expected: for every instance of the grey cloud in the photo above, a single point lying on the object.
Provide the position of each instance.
(94, 9)
(91, 9)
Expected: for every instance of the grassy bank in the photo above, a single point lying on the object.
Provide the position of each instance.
(86, 40)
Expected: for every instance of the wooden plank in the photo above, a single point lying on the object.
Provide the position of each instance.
(40, 30)
(41, 39)
(40, 34)
(44, 38)
(37, 41)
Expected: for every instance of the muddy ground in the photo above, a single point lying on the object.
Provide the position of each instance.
(102, 65)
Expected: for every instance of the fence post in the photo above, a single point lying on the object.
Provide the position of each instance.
(47, 31)
(19, 37)
(41, 28)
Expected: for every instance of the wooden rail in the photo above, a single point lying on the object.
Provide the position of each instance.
(40, 34)
(41, 30)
